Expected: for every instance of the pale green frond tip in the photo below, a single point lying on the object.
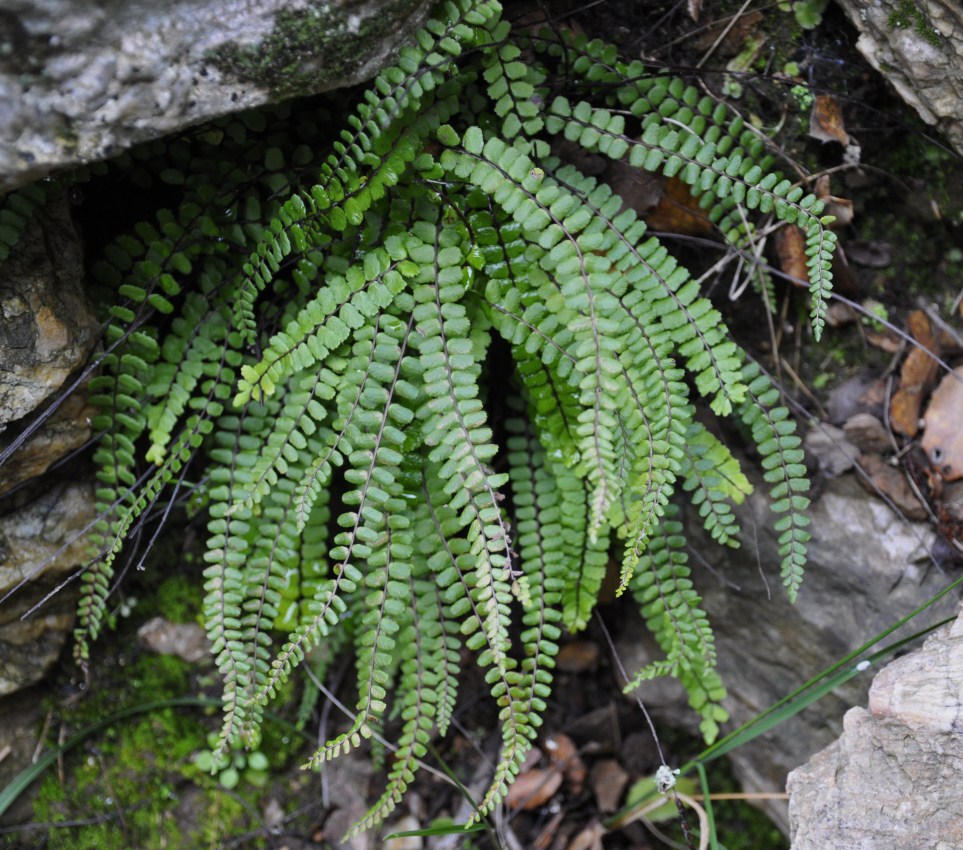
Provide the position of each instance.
(422, 381)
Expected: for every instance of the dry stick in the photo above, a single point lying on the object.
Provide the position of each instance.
(794, 376)
(694, 32)
(657, 803)
(744, 795)
(724, 33)
(42, 737)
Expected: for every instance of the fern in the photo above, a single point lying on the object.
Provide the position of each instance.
(305, 341)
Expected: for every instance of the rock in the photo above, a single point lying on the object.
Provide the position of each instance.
(918, 47)
(868, 434)
(891, 483)
(40, 544)
(863, 393)
(66, 430)
(829, 446)
(80, 81)
(185, 640)
(867, 568)
(892, 780)
(46, 335)
(47, 329)
(406, 823)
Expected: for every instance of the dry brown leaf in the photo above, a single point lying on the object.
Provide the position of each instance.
(890, 482)
(608, 780)
(577, 656)
(916, 377)
(734, 33)
(532, 758)
(838, 313)
(943, 436)
(589, 838)
(885, 340)
(564, 757)
(791, 252)
(678, 211)
(533, 788)
(826, 121)
(840, 208)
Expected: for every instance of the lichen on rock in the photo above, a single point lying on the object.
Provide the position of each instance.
(89, 82)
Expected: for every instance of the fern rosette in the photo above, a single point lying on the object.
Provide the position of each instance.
(307, 343)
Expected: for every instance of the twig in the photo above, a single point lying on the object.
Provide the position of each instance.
(723, 34)
(794, 377)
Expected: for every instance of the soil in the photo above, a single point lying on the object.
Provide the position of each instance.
(902, 248)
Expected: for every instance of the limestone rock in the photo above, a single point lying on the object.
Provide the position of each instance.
(47, 332)
(46, 327)
(918, 47)
(892, 780)
(81, 80)
(42, 543)
(830, 448)
(185, 640)
(867, 568)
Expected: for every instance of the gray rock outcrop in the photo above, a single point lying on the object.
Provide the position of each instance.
(40, 545)
(918, 47)
(892, 780)
(46, 327)
(46, 335)
(867, 569)
(80, 80)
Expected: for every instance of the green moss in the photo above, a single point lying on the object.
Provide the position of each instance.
(135, 784)
(126, 777)
(178, 599)
(309, 47)
(908, 14)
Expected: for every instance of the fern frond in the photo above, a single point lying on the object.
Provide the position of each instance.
(316, 324)
(671, 608)
(683, 154)
(714, 478)
(543, 557)
(16, 210)
(774, 432)
(421, 671)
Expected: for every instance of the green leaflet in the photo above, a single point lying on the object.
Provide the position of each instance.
(319, 343)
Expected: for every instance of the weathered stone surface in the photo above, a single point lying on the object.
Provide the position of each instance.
(81, 80)
(867, 569)
(892, 780)
(185, 640)
(46, 327)
(47, 332)
(918, 47)
(67, 429)
(41, 542)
